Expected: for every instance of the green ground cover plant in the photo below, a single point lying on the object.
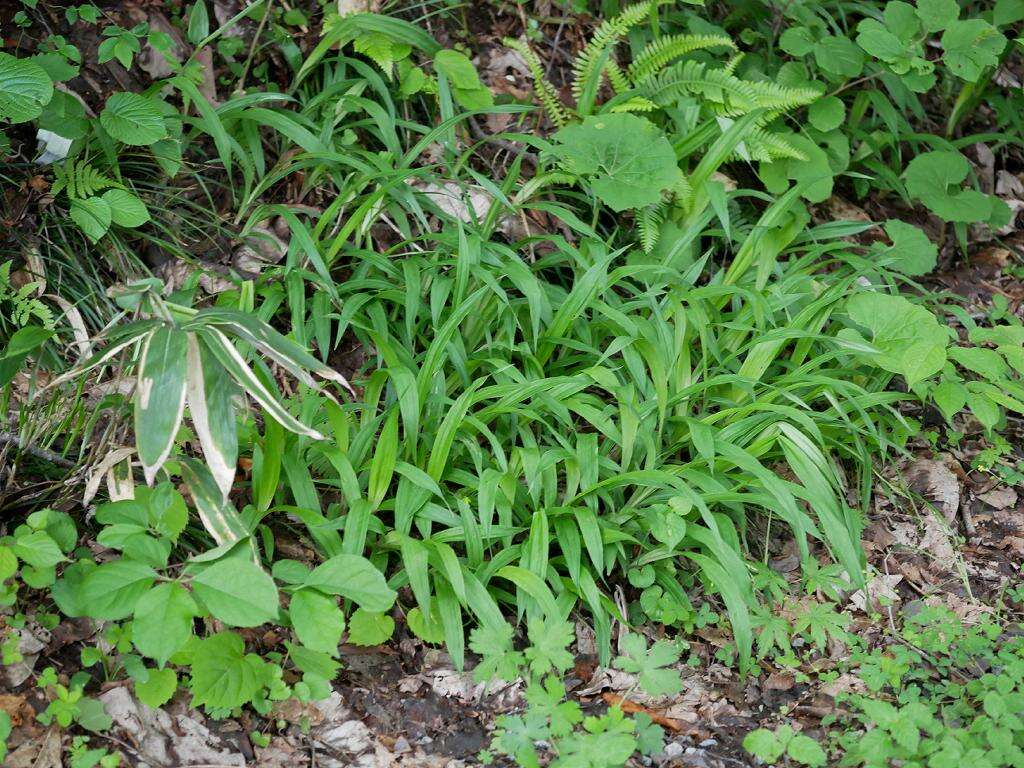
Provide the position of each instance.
(684, 366)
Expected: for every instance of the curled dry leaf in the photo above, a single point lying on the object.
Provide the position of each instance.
(936, 482)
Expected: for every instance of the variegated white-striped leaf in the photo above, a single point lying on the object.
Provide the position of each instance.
(296, 360)
(133, 334)
(235, 365)
(210, 391)
(160, 396)
(219, 517)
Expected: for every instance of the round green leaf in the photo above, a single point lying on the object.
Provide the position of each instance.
(806, 751)
(25, 89)
(133, 119)
(238, 592)
(158, 687)
(92, 215)
(827, 113)
(163, 621)
(317, 620)
(369, 628)
(126, 209)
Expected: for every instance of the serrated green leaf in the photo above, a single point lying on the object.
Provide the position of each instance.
(126, 209)
(238, 592)
(626, 159)
(92, 215)
(317, 620)
(25, 89)
(162, 621)
(355, 578)
(112, 590)
(158, 687)
(133, 119)
(369, 627)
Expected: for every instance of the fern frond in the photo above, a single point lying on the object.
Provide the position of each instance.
(80, 180)
(545, 92)
(649, 220)
(764, 146)
(588, 62)
(658, 53)
(635, 104)
(24, 306)
(683, 191)
(724, 93)
(616, 77)
(731, 64)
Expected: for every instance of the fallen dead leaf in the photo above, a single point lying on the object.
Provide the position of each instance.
(1000, 498)
(936, 482)
(631, 707)
(779, 681)
(880, 586)
(16, 707)
(164, 739)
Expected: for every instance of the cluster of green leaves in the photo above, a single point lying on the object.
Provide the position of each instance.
(555, 720)
(156, 603)
(951, 693)
(529, 431)
(877, 70)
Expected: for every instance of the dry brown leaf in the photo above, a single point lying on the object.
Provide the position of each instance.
(936, 482)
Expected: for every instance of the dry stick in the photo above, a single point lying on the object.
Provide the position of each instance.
(252, 46)
(9, 438)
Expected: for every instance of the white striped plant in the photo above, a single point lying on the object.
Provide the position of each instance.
(188, 357)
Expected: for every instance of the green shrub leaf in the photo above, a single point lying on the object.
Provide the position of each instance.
(133, 119)
(626, 159)
(238, 592)
(25, 89)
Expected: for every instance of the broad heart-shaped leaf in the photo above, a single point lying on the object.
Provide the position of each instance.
(317, 620)
(111, 591)
(133, 119)
(937, 15)
(158, 687)
(210, 404)
(911, 342)
(929, 178)
(815, 170)
(38, 549)
(160, 396)
(223, 675)
(238, 592)
(92, 215)
(162, 622)
(369, 627)
(25, 89)
(911, 253)
(627, 159)
(354, 577)
(970, 46)
(126, 209)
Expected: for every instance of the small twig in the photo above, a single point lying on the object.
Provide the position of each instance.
(252, 47)
(9, 438)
